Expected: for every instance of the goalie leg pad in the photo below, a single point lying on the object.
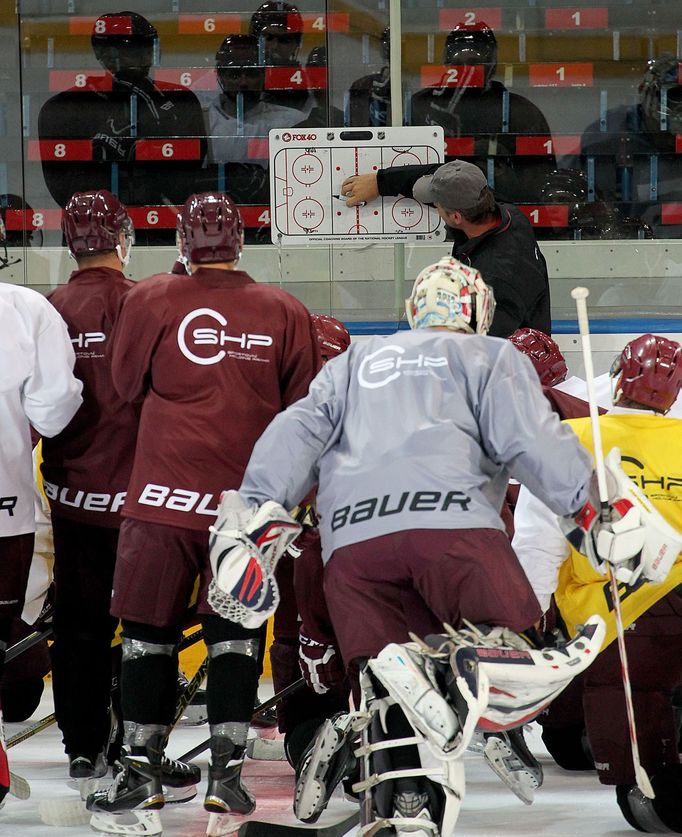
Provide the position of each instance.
(409, 677)
(524, 682)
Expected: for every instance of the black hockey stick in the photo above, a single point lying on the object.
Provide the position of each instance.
(257, 712)
(255, 828)
(48, 720)
(43, 630)
(27, 642)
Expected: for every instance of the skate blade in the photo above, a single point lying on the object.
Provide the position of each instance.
(133, 823)
(520, 782)
(219, 825)
(63, 812)
(310, 788)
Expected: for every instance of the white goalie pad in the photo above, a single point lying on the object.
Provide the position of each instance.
(408, 676)
(524, 681)
(653, 547)
(244, 548)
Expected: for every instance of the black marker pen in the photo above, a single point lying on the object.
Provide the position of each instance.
(344, 198)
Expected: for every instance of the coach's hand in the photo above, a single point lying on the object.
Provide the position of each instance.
(360, 188)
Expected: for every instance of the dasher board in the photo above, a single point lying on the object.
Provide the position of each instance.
(308, 166)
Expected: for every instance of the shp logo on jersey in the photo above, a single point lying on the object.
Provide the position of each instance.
(390, 362)
(86, 343)
(203, 339)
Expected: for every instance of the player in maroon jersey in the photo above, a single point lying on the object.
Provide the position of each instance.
(304, 642)
(213, 356)
(86, 469)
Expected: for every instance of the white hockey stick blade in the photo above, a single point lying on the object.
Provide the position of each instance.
(18, 786)
(643, 782)
(63, 812)
(131, 823)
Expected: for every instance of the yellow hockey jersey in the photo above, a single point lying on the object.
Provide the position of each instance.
(651, 454)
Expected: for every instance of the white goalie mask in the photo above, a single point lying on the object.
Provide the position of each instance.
(452, 295)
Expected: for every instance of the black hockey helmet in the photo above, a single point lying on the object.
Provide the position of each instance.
(276, 18)
(237, 63)
(660, 94)
(123, 42)
(472, 44)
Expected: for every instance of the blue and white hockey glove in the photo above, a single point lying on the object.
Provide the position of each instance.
(244, 548)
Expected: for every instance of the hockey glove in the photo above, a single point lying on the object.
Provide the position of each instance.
(321, 665)
(635, 538)
(244, 548)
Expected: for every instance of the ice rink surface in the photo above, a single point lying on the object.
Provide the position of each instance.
(567, 805)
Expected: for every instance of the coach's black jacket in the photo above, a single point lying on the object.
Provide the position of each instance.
(507, 255)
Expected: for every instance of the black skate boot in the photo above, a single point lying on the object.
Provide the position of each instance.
(327, 760)
(226, 793)
(88, 767)
(137, 785)
(508, 755)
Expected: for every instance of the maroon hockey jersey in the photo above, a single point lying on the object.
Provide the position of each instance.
(87, 466)
(215, 356)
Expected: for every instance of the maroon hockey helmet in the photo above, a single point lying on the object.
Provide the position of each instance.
(210, 229)
(543, 353)
(471, 44)
(332, 335)
(647, 374)
(93, 223)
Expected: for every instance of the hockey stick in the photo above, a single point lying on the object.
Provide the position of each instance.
(580, 296)
(27, 642)
(257, 712)
(48, 720)
(37, 726)
(255, 828)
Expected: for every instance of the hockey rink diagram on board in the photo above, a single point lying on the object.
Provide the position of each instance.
(308, 168)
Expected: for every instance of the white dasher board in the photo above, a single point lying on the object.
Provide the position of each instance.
(308, 166)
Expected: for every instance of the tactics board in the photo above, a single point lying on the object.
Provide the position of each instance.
(306, 172)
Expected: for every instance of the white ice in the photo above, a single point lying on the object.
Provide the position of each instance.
(567, 805)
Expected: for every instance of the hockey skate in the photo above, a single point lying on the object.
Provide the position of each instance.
(131, 804)
(226, 793)
(179, 780)
(84, 767)
(507, 754)
(327, 760)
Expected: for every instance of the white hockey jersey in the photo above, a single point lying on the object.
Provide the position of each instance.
(37, 387)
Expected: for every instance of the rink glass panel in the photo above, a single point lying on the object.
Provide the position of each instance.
(573, 110)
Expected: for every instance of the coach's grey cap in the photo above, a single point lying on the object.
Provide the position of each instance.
(454, 185)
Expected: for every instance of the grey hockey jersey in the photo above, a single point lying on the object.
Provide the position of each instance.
(419, 430)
